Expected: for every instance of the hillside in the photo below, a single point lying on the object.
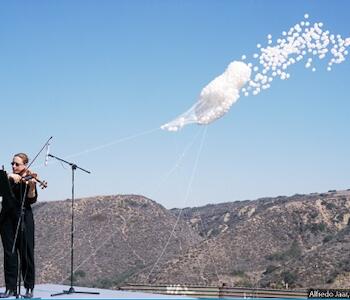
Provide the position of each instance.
(299, 241)
(115, 236)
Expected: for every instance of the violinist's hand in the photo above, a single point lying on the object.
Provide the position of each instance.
(16, 178)
(31, 183)
(31, 191)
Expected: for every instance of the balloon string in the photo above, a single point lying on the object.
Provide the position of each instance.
(189, 188)
(96, 148)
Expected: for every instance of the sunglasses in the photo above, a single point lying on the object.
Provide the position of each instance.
(16, 164)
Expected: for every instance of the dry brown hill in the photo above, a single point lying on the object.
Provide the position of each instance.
(115, 236)
(302, 241)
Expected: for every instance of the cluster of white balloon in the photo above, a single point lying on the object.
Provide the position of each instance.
(301, 41)
(216, 98)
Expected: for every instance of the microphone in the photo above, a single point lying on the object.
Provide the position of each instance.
(47, 154)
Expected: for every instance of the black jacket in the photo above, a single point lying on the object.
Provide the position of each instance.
(12, 194)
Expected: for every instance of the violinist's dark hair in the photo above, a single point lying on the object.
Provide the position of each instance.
(23, 156)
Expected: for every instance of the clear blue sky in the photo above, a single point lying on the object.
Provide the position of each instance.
(91, 73)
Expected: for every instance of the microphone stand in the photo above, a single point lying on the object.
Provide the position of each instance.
(71, 289)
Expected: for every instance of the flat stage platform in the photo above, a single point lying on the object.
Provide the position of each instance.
(44, 291)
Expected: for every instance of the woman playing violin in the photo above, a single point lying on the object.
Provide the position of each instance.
(22, 190)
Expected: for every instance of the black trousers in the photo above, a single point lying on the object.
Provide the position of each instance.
(8, 231)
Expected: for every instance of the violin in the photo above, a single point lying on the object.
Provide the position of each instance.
(31, 175)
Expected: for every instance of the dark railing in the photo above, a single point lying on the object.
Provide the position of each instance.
(215, 292)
